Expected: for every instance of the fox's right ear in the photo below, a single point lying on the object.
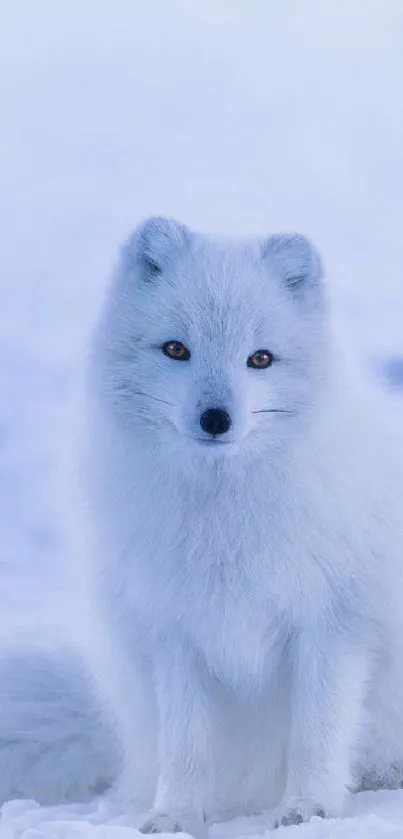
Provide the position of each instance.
(153, 245)
(297, 260)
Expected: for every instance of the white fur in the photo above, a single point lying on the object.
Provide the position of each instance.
(246, 598)
(55, 743)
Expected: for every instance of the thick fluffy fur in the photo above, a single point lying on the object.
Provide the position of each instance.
(246, 596)
(55, 743)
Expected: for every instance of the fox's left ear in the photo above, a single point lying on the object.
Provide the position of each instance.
(296, 259)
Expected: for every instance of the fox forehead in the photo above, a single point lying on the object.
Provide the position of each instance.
(207, 306)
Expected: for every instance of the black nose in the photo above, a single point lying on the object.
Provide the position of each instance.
(215, 421)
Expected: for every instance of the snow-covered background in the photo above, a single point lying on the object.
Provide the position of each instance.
(235, 116)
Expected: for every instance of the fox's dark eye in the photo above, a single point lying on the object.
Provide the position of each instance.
(260, 359)
(176, 350)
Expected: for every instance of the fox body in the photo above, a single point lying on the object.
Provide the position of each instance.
(244, 553)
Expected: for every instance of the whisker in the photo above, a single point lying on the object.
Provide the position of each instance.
(273, 411)
(149, 396)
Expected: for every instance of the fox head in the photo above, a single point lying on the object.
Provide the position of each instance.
(218, 347)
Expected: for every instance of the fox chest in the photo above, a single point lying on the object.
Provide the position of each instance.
(226, 605)
(239, 632)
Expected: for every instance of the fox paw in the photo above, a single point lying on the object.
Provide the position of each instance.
(158, 822)
(298, 810)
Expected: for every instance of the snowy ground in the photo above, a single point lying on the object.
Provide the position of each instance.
(238, 116)
(368, 816)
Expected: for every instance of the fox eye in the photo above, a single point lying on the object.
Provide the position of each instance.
(176, 350)
(260, 359)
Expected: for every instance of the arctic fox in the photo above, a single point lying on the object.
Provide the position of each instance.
(244, 562)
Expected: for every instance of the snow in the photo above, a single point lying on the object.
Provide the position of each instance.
(239, 117)
(368, 816)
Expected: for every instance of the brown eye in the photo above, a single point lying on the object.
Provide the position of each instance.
(176, 350)
(260, 359)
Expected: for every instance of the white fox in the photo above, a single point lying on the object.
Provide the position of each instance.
(244, 569)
